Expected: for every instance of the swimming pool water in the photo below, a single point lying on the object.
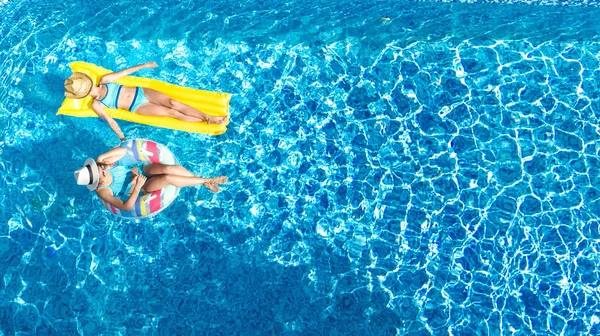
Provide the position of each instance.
(434, 174)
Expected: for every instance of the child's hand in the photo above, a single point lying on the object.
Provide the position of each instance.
(151, 65)
(139, 181)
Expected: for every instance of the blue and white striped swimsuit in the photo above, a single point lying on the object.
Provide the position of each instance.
(123, 177)
(111, 99)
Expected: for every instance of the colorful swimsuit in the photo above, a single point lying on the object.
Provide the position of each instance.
(111, 99)
(120, 175)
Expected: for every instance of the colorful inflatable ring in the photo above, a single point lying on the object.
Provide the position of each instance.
(139, 150)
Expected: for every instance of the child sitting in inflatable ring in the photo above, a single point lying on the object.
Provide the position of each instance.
(144, 101)
(110, 180)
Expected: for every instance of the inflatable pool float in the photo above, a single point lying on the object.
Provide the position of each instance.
(213, 103)
(139, 150)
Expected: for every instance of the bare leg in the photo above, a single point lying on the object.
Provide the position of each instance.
(162, 99)
(160, 181)
(192, 112)
(161, 169)
(151, 109)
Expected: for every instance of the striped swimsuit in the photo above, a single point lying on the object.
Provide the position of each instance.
(111, 99)
(123, 177)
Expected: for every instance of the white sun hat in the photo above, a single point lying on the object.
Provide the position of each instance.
(88, 175)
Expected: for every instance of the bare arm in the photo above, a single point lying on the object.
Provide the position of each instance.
(111, 77)
(112, 155)
(107, 195)
(99, 109)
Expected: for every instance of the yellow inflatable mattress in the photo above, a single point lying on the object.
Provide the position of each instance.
(213, 103)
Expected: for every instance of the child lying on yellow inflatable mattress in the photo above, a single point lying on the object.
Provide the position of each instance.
(92, 90)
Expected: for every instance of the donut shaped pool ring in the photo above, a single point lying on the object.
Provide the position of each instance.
(140, 150)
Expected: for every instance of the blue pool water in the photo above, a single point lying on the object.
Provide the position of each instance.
(434, 174)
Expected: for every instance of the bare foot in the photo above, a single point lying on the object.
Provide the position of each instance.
(212, 187)
(218, 180)
(216, 120)
(211, 183)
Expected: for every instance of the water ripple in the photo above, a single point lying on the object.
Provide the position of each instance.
(430, 174)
